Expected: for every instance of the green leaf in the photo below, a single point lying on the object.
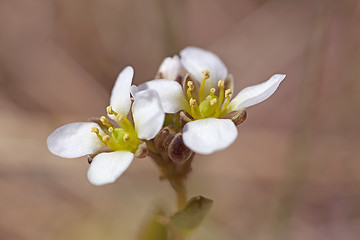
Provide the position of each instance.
(152, 229)
(193, 213)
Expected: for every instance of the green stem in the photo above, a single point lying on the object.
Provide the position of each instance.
(180, 190)
(176, 174)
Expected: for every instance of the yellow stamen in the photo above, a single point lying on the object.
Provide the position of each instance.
(206, 74)
(194, 106)
(221, 85)
(193, 112)
(217, 111)
(106, 138)
(110, 111)
(228, 92)
(126, 137)
(190, 85)
(213, 102)
(105, 121)
(125, 123)
(111, 129)
(94, 130)
(202, 86)
(190, 88)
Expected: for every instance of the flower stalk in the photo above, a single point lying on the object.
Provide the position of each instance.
(175, 173)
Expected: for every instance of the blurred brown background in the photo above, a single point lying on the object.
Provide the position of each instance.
(294, 171)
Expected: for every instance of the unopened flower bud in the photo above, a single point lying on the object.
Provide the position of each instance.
(164, 137)
(177, 150)
(239, 117)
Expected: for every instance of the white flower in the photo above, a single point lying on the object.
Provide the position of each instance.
(206, 96)
(82, 138)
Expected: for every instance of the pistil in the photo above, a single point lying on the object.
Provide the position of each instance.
(213, 102)
(126, 137)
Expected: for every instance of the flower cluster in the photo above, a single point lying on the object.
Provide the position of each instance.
(188, 108)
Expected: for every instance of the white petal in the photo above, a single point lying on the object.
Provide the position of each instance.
(208, 135)
(120, 95)
(74, 140)
(255, 94)
(170, 92)
(148, 114)
(171, 68)
(107, 167)
(195, 60)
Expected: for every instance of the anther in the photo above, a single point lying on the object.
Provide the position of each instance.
(94, 130)
(192, 102)
(111, 129)
(109, 110)
(212, 90)
(104, 120)
(202, 86)
(106, 138)
(206, 74)
(126, 137)
(221, 83)
(213, 102)
(228, 92)
(190, 85)
(119, 117)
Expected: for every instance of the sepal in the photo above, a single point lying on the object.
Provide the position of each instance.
(184, 118)
(237, 117)
(141, 151)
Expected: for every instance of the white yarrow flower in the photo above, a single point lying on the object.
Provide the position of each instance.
(205, 98)
(83, 138)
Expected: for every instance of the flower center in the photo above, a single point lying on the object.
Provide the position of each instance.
(119, 138)
(211, 106)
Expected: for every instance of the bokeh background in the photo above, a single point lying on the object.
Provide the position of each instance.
(294, 171)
